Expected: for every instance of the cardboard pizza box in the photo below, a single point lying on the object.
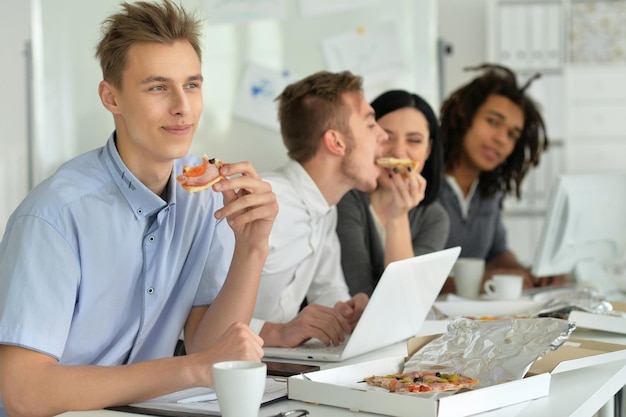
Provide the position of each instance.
(573, 354)
(343, 387)
(340, 386)
(576, 354)
(602, 322)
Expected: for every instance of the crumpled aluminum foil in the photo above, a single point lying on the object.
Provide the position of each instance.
(493, 351)
(584, 299)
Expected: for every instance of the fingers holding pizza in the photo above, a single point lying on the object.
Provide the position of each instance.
(405, 182)
(250, 205)
(246, 196)
(408, 190)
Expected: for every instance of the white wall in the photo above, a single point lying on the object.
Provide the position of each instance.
(71, 120)
(460, 22)
(14, 32)
(582, 102)
(463, 24)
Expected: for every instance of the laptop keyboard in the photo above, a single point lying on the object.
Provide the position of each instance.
(317, 345)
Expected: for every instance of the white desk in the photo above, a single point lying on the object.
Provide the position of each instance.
(579, 393)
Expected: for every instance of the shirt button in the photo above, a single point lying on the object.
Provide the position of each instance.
(151, 239)
(150, 290)
(139, 211)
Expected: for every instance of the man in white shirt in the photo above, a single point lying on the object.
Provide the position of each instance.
(333, 140)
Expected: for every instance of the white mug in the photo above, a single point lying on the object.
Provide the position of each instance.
(468, 274)
(504, 286)
(239, 386)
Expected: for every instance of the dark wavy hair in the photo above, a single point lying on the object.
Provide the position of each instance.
(393, 100)
(457, 115)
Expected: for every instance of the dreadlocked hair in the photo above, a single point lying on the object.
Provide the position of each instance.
(457, 114)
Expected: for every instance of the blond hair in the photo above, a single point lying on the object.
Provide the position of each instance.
(143, 22)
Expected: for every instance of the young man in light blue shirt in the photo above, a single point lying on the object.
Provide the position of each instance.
(105, 262)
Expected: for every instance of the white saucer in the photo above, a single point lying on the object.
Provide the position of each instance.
(494, 298)
(489, 307)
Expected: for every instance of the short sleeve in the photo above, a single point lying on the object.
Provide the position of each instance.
(37, 314)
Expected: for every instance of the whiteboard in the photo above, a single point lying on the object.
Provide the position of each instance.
(241, 38)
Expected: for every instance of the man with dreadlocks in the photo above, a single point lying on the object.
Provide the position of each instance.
(492, 134)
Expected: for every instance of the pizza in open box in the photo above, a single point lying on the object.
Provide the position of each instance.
(422, 381)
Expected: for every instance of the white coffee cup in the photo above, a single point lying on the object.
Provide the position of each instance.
(468, 275)
(504, 287)
(239, 386)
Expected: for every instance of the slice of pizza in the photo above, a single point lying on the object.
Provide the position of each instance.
(422, 381)
(201, 177)
(401, 164)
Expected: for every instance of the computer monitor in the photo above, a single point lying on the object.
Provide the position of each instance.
(584, 232)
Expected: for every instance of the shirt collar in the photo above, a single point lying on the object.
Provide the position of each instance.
(306, 187)
(140, 198)
(464, 202)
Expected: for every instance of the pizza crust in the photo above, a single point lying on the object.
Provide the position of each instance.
(398, 163)
(197, 188)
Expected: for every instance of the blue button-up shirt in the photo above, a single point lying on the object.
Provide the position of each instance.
(97, 269)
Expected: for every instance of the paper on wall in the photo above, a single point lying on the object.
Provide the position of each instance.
(373, 52)
(257, 91)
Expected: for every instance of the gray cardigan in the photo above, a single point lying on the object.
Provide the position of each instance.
(482, 233)
(362, 254)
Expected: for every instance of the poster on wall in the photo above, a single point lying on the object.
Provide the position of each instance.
(372, 52)
(589, 43)
(258, 89)
(233, 11)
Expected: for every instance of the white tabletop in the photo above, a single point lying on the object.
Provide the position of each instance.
(581, 392)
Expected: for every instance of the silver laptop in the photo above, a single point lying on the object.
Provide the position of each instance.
(396, 311)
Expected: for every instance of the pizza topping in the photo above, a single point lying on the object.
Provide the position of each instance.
(200, 177)
(418, 381)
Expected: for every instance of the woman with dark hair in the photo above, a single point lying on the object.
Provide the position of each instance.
(492, 134)
(402, 217)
